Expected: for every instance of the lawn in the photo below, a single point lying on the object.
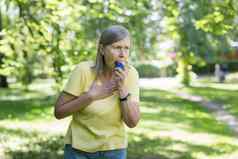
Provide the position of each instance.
(170, 128)
(223, 93)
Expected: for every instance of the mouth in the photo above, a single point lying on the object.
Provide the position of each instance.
(120, 61)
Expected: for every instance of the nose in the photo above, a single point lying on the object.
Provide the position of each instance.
(122, 52)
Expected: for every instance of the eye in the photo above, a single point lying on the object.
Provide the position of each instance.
(115, 47)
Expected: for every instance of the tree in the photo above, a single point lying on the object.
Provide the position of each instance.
(62, 33)
(47, 38)
(3, 79)
(192, 25)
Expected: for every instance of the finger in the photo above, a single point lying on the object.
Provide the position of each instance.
(110, 94)
(117, 69)
(114, 81)
(125, 71)
(120, 71)
(110, 84)
(121, 76)
(112, 90)
(114, 86)
(117, 78)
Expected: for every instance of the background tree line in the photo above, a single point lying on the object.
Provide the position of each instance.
(42, 38)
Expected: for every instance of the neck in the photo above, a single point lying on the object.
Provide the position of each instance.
(107, 72)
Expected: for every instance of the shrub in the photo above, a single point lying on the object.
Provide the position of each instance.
(147, 70)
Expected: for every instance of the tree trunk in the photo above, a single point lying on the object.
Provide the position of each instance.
(3, 79)
(184, 71)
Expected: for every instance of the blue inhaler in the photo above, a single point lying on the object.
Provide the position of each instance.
(119, 65)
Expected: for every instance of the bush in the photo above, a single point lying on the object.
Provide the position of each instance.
(209, 67)
(147, 70)
(150, 71)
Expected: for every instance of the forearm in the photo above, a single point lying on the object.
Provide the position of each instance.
(130, 110)
(130, 113)
(68, 108)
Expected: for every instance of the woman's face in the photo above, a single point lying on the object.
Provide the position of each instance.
(118, 51)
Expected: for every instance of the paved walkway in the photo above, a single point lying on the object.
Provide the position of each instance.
(170, 84)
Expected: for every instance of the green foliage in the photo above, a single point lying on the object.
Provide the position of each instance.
(151, 71)
(147, 70)
(200, 29)
(220, 21)
(52, 36)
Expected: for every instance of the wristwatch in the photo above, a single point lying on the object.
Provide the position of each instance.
(125, 98)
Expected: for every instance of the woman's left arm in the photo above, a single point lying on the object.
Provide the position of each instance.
(129, 106)
(130, 109)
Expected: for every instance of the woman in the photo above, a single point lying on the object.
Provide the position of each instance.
(101, 98)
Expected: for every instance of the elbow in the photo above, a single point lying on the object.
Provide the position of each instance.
(58, 114)
(133, 123)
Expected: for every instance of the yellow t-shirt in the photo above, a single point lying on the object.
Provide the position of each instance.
(99, 126)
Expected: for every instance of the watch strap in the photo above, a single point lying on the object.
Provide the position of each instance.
(125, 98)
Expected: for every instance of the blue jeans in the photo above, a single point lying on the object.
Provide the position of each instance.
(71, 153)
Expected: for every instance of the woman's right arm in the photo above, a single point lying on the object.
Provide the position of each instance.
(67, 104)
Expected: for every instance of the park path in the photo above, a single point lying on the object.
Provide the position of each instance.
(170, 84)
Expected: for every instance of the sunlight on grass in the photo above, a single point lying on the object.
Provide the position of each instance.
(181, 129)
(170, 128)
(225, 86)
(51, 127)
(32, 144)
(225, 97)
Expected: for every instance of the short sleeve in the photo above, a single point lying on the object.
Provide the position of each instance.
(133, 84)
(75, 82)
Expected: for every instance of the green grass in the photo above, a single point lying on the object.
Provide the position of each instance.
(224, 94)
(173, 128)
(27, 109)
(170, 128)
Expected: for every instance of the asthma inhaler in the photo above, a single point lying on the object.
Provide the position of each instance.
(119, 65)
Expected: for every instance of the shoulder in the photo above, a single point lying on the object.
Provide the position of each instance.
(82, 69)
(133, 72)
(84, 66)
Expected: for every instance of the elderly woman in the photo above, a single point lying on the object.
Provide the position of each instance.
(102, 97)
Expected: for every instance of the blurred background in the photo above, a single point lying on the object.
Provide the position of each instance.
(186, 53)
